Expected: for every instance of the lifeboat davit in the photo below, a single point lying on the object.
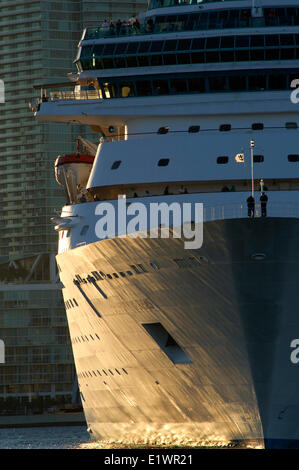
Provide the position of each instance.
(72, 171)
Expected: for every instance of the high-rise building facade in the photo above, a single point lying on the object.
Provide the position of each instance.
(38, 42)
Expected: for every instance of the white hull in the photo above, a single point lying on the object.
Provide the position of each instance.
(229, 377)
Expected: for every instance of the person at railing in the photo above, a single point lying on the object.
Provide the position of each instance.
(105, 24)
(123, 28)
(250, 206)
(118, 27)
(264, 200)
(150, 25)
(112, 28)
(136, 26)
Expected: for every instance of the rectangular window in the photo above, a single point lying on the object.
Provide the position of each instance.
(126, 89)
(178, 85)
(197, 85)
(144, 88)
(132, 47)
(156, 60)
(161, 87)
(143, 61)
(217, 83)
(257, 83)
(120, 48)
(109, 90)
(156, 46)
(170, 45)
(131, 61)
(237, 83)
(184, 44)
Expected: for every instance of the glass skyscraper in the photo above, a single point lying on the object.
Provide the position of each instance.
(38, 42)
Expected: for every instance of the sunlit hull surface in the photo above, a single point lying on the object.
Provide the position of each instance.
(231, 309)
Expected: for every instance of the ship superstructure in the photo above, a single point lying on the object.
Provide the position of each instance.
(193, 344)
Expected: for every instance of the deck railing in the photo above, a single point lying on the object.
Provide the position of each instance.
(75, 95)
(128, 29)
(239, 211)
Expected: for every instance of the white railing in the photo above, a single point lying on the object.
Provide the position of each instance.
(75, 95)
(239, 211)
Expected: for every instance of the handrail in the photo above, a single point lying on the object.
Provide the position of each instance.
(128, 29)
(240, 211)
(76, 95)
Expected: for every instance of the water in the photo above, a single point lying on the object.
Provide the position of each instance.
(52, 437)
(72, 437)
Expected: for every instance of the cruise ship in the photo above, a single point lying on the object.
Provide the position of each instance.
(193, 102)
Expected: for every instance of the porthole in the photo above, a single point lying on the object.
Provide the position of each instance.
(163, 162)
(84, 229)
(258, 256)
(115, 165)
(257, 126)
(293, 158)
(163, 130)
(225, 127)
(222, 160)
(193, 129)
